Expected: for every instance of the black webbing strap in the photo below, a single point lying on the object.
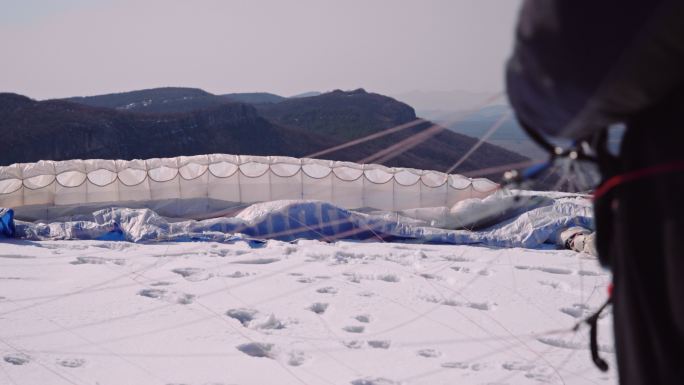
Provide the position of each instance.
(592, 321)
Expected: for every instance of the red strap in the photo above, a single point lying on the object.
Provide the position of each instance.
(641, 173)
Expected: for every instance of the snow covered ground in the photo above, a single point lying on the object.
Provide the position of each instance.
(94, 312)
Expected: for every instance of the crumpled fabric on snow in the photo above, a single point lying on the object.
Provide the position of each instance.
(290, 220)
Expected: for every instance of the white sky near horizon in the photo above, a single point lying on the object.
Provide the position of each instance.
(60, 48)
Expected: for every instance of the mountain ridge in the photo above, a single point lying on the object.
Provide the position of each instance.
(65, 129)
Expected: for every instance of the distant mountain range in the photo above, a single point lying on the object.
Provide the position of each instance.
(177, 99)
(58, 130)
(167, 122)
(172, 100)
(472, 113)
(445, 101)
(339, 114)
(476, 123)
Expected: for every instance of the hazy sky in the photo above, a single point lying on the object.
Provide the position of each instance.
(59, 48)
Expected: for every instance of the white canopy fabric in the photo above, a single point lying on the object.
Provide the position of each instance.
(230, 180)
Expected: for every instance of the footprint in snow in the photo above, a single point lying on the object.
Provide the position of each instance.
(193, 274)
(257, 261)
(379, 344)
(555, 270)
(344, 257)
(16, 256)
(365, 318)
(17, 359)
(431, 276)
(245, 316)
(271, 322)
(517, 366)
(545, 269)
(161, 283)
(50, 247)
(479, 366)
(455, 365)
(357, 278)
(185, 299)
(354, 329)
(429, 353)
(481, 305)
(327, 290)
(257, 349)
(296, 358)
(118, 246)
(237, 274)
(71, 362)
(541, 374)
(555, 285)
(152, 293)
(461, 269)
(226, 253)
(75, 246)
(589, 273)
(180, 298)
(353, 344)
(374, 381)
(305, 280)
(473, 305)
(318, 307)
(388, 277)
(98, 261)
